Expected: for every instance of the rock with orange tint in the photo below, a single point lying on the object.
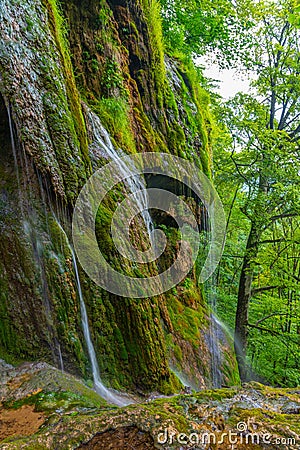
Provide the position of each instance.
(20, 422)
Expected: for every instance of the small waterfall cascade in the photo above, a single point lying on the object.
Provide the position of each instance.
(108, 395)
(135, 184)
(14, 150)
(214, 346)
(24, 176)
(61, 361)
(28, 221)
(215, 334)
(99, 386)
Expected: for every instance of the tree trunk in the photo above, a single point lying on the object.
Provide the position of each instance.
(244, 296)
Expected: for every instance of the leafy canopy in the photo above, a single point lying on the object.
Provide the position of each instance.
(258, 168)
(199, 26)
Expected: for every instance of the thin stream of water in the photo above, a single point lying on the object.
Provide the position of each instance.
(29, 229)
(110, 396)
(14, 150)
(136, 184)
(214, 330)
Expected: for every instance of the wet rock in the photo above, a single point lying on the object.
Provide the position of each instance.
(291, 408)
(182, 422)
(121, 439)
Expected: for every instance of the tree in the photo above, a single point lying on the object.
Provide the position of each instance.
(196, 27)
(273, 343)
(265, 130)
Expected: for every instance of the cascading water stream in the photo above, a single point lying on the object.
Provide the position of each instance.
(214, 330)
(14, 151)
(136, 184)
(29, 229)
(216, 374)
(109, 396)
(61, 361)
(99, 386)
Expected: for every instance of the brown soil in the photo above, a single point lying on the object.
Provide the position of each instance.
(19, 422)
(127, 438)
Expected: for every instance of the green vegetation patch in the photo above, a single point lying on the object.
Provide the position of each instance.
(52, 401)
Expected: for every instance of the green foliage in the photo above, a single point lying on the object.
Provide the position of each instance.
(294, 17)
(112, 78)
(198, 26)
(104, 16)
(188, 283)
(258, 173)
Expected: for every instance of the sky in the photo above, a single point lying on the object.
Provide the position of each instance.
(229, 81)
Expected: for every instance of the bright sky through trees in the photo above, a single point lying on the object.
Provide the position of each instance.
(229, 81)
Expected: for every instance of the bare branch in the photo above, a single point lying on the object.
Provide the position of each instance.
(264, 289)
(278, 241)
(272, 332)
(274, 315)
(284, 216)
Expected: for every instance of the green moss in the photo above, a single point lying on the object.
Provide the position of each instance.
(19, 338)
(152, 11)
(50, 401)
(7, 334)
(58, 29)
(154, 140)
(178, 353)
(186, 321)
(218, 394)
(278, 423)
(114, 115)
(200, 122)
(121, 344)
(104, 16)
(229, 367)
(171, 385)
(217, 409)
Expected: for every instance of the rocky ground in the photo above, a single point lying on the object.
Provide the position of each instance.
(43, 408)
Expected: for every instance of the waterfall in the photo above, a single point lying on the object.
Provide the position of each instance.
(28, 221)
(136, 184)
(109, 396)
(214, 346)
(14, 151)
(214, 335)
(99, 386)
(61, 361)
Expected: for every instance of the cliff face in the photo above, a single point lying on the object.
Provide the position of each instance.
(57, 64)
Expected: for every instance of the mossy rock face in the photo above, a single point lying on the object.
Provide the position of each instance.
(45, 113)
(45, 387)
(168, 111)
(58, 63)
